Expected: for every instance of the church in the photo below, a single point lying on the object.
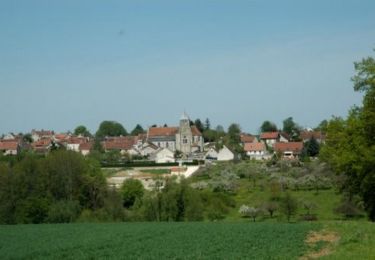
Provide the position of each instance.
(184, 138)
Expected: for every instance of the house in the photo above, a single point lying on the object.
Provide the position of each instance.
(224, 154)
(289, 150)
(124, 144)
(42, 134)
(73, 143)
(85, 148)
(271, 138)
(247, 138)
(257, 151)
(185, 138)
(163, 155)
(43, 145)
(9, 147)
(319, 136)
(147, 148)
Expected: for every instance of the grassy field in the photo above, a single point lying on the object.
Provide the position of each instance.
(201, 240)
(155, 241)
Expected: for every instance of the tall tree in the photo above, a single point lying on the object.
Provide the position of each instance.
(268, 126)
(82, 130)
(138, 129)
(198, 123)
(350, 144)
(291, 128)
(207, 124)
(110, 128)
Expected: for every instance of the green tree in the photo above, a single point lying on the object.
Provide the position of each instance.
(312, 147)
(82, 130)
(131, 190)
(288, 205)
(198, 123)
(268, 126)
(110, 128)
(138, 129)
(291, 128)
(350, 144)
(207, 124)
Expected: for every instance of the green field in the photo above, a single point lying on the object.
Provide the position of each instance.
(155, 241)
(199, 240)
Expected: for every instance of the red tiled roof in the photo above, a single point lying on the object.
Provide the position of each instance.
(41, 143)
(43, 132)
(307, 135)
(77, 140)
(269, 135)
(61, 136)
(119, 143)
(85, 146)
(195, 131)
(295, 147)
(246, 138)
(254, 147)
(162, 131)
(8, 145)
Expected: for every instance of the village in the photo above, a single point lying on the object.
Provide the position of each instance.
(183, 143)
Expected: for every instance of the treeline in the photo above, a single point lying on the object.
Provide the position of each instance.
(66, 187)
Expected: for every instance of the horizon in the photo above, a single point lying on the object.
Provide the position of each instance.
(72, 63)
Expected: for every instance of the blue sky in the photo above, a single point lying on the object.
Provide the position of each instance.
(72, 62)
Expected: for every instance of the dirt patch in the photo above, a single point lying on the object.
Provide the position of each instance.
(321, 244)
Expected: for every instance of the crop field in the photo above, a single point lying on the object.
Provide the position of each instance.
(155, 241)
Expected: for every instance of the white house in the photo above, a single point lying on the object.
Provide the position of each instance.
(223, 154)
(257, 151)
(164, 155)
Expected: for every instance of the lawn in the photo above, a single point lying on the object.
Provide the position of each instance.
(156, 171)
(155, 241)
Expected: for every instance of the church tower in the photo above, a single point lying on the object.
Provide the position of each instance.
(184, 137)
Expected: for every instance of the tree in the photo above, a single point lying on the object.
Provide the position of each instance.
(82, 130)
(131, 190)
(207, 124)
(198, 123)
(322, 126)
(271, 207)
(268, 126)
(110, 128)
(291, 128)
(288, 205)
(350, 144)
(312, 147)
(138, 129)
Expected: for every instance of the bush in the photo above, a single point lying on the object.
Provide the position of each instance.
(63, 212)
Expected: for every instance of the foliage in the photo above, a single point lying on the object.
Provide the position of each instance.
(268, 126)
(198, 123)
(63, 211)
(312, 147)
(138, 129)
(131, 190)
(248, 211)
(350, 144)
(110, 128)
(82, 130)
(291, 128)
(288, 205)
(38, 190)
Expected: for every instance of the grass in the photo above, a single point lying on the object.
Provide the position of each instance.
(357, 240)
(156, 171)
(155, 241)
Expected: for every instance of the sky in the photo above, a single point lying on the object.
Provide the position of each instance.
(77, 62)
